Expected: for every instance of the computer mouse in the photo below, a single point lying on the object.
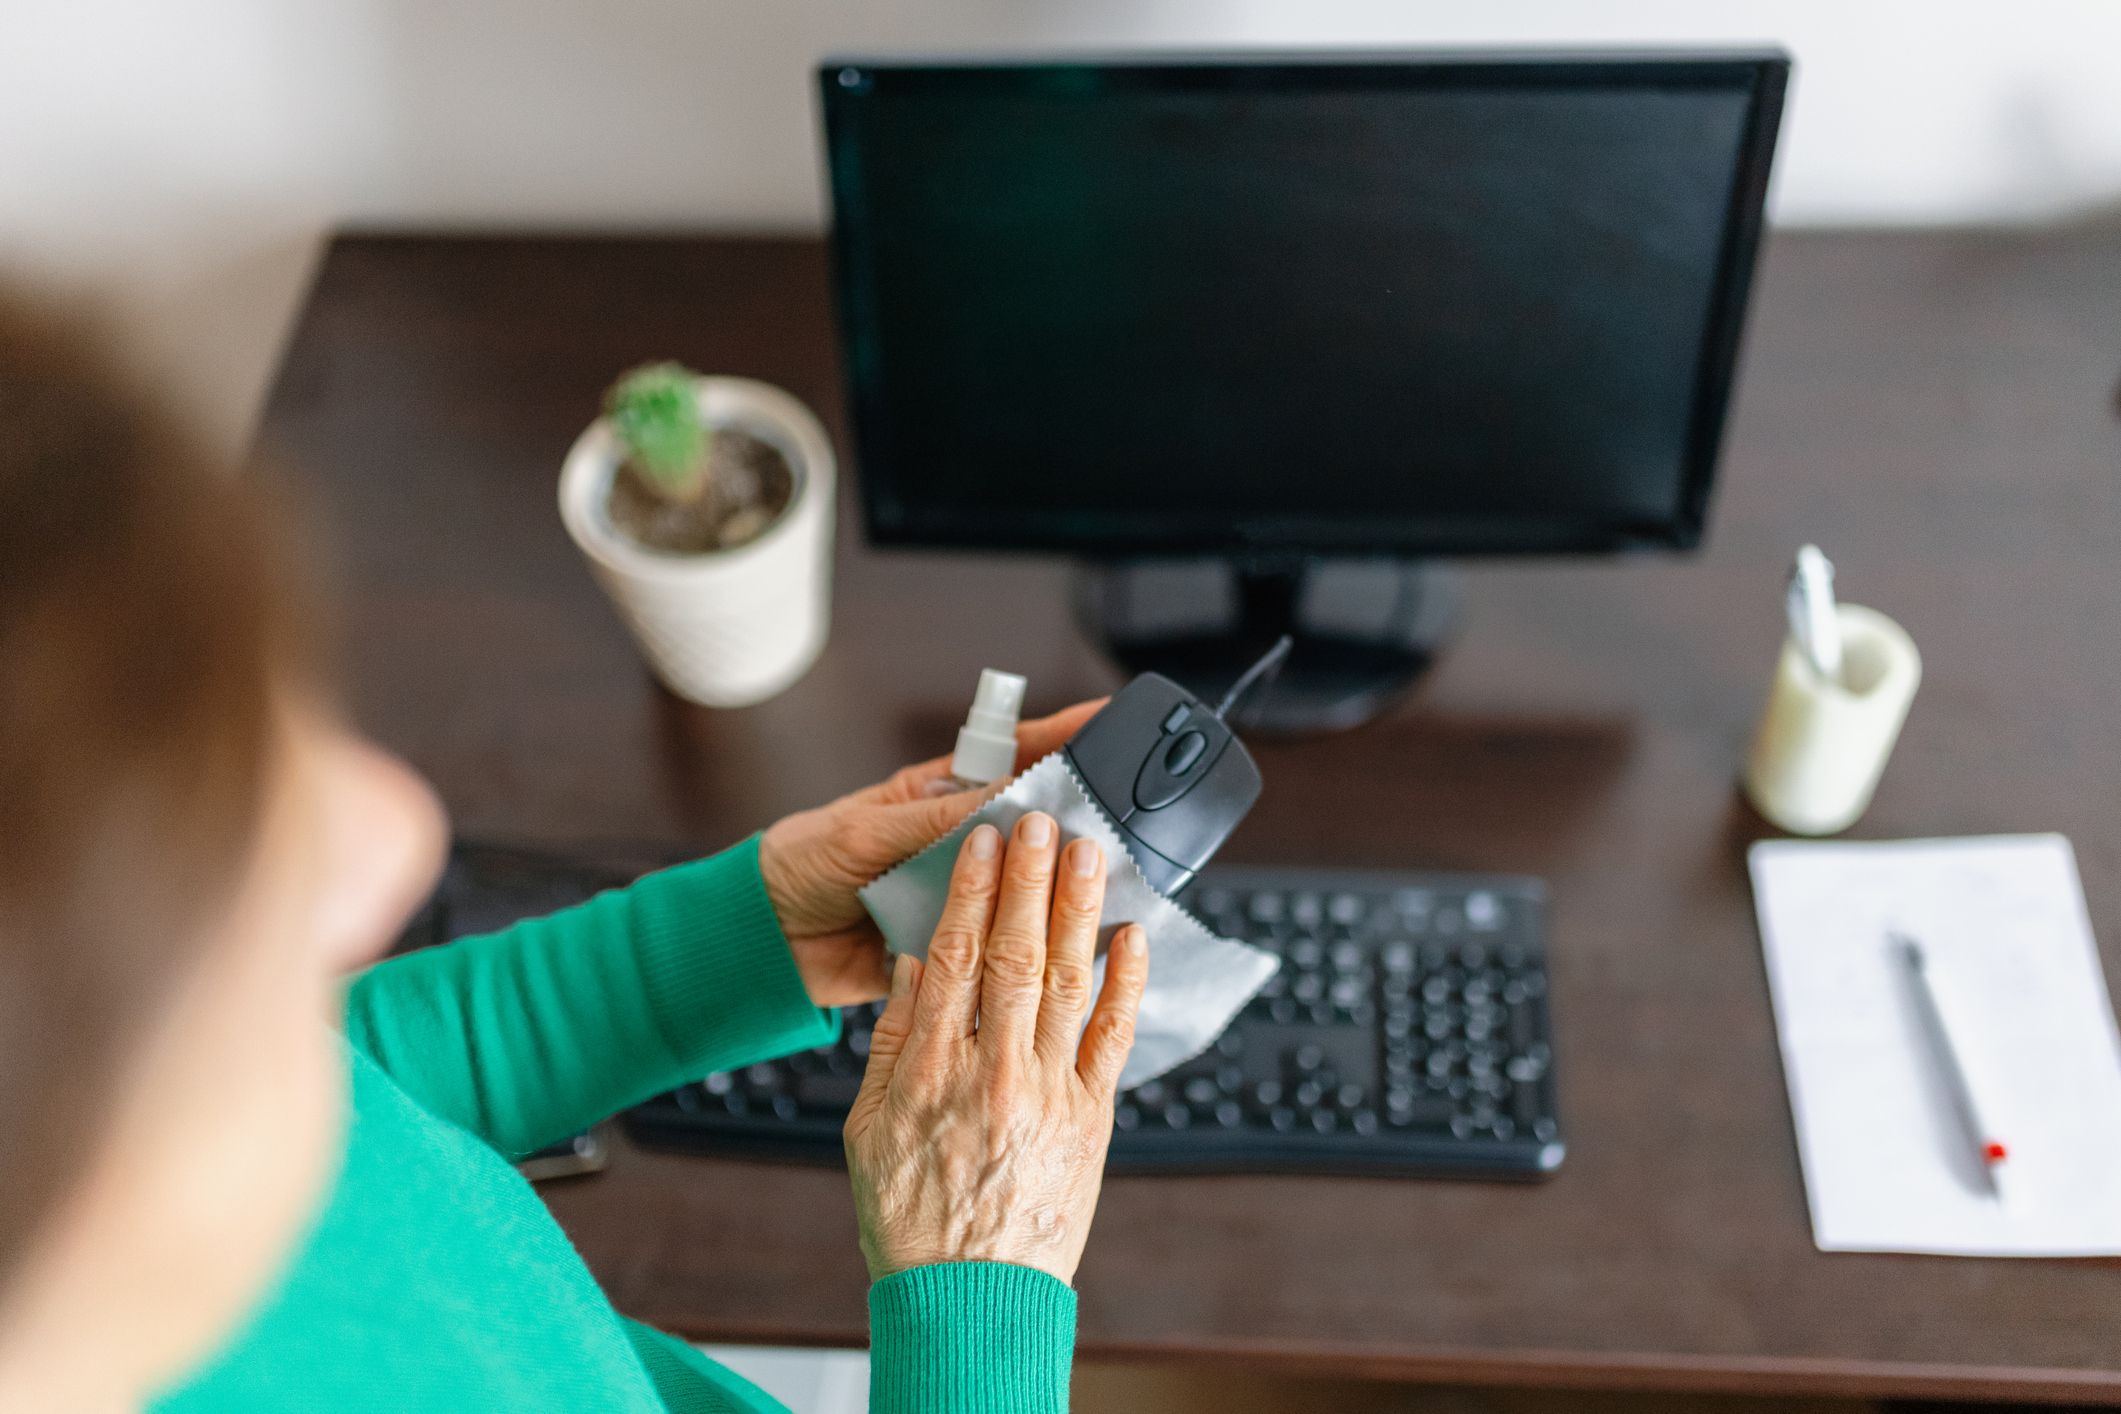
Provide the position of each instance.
(1169, 772)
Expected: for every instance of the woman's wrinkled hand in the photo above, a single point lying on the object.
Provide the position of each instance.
(983, 1119)
(814, 861)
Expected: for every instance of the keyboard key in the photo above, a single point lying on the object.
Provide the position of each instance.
(1524, 1108)
(1421, 1112)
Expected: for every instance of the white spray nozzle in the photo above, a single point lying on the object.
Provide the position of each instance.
(986, 744)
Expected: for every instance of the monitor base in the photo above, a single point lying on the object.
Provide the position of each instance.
(1364, 630)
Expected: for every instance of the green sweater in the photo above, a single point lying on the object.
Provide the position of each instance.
(435, 1279)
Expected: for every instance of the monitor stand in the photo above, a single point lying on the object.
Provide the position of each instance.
(1364, 630)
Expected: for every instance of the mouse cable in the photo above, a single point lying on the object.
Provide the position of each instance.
(1257, 676)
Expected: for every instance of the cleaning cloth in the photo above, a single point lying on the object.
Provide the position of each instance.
(1197, 981)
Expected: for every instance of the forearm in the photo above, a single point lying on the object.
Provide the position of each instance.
(961, 1337)
(546, 1027)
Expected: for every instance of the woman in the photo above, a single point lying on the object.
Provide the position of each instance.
(234, 1182)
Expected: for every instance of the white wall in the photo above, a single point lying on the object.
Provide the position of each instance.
(179, 157)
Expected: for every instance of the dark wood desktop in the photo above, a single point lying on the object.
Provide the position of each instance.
(1937, 410)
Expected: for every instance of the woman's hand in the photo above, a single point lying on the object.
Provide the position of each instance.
(814, 861)
(983, 1119)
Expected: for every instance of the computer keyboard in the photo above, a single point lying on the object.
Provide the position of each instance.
(1406, 1033)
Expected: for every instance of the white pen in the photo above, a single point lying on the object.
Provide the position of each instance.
(1944, 1022)
(1814, 618)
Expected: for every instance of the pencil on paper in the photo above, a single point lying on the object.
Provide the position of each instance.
(1944, 1024)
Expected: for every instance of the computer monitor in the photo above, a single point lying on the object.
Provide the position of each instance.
(1277, 311)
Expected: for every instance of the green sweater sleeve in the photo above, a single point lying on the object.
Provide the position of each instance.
(531, 1033)
(962, 1337)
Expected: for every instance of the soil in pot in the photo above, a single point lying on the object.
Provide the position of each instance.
(749, 485)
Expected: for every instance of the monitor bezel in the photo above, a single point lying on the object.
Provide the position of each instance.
(1760, 73)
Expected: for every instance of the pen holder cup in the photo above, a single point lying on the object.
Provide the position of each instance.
(1822, 745)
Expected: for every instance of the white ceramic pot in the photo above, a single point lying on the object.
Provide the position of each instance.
(731, 627)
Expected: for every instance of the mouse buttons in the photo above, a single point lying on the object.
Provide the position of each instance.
(1182, 753)
(1171, 768)
(1205, 804)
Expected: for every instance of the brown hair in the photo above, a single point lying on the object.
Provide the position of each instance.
(144, 624)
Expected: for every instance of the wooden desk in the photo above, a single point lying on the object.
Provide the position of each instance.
(1938, 410)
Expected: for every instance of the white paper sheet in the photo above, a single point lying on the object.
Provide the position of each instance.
(1887, 1164)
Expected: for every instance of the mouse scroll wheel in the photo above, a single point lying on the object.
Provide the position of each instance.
(1180, 755)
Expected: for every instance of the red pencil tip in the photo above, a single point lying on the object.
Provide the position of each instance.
(1994, 1153)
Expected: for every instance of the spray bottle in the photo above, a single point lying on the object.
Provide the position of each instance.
(986, 744)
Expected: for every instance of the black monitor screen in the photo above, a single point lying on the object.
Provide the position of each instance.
(1418, 305)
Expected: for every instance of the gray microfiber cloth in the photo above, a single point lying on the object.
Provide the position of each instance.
(1197, 981)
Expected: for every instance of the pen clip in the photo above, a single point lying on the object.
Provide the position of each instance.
(1815, 620)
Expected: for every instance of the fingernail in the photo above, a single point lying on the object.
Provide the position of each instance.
(984, 842)
(901, 974)
(1082, 859)
(1037, 830)
(1132, 940)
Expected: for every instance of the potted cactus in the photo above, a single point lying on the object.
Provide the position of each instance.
(704, 507)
